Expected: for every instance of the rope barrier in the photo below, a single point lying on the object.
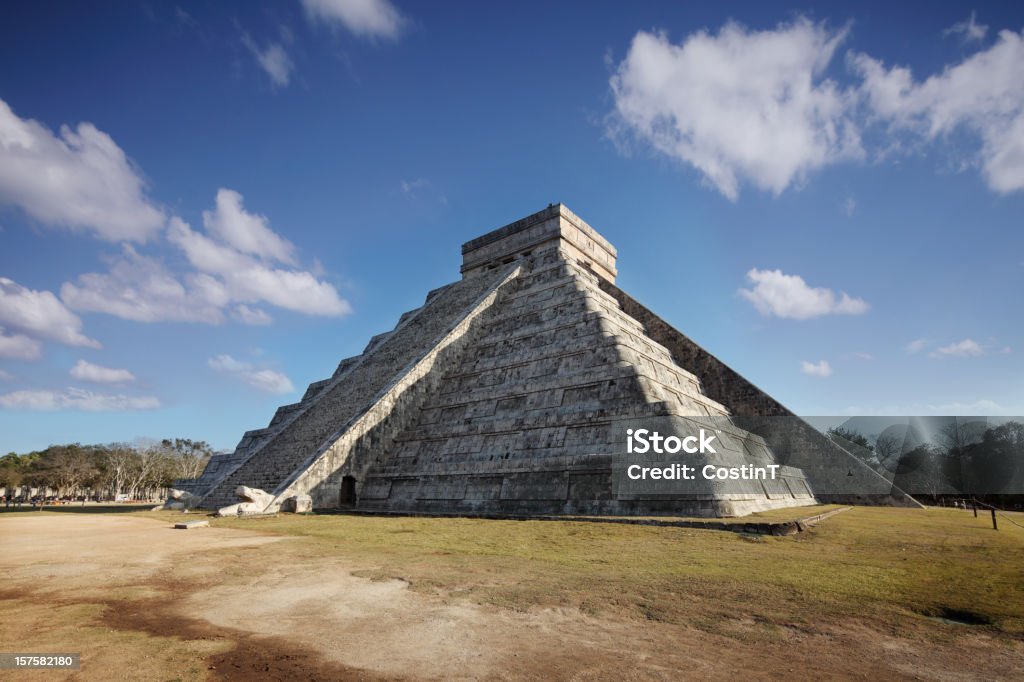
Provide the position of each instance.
(995, 509)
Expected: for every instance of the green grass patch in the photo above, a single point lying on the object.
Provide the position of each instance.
(895, 567)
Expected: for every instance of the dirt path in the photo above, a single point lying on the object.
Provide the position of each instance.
(142, 601)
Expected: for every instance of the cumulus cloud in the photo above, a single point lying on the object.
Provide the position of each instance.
(969, 30)
(97, 374)
(744, 106)
(962, 349)
(76, 399)
(234, 270)
(776, 293)
(251, 316)
(983, 94)
(79, 179)
(247, 232)
(816, 369)
(365, 18)
(738, 105)
(142, 289)
(251, 280)
(274, 60)
(19, 347)
(33, 316)
(265, 380)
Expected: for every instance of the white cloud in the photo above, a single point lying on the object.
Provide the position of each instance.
(97, 374)
(19, 347)
(265, 380)
(249, 280)
(916, 346)
(849, 206)
(36, 315)
(983, 94)
(367, 18)
(962, 349)
(5, 376)
(744, 106)
(738, 106)
(226, 363)
(141, 288)
(969, 30)
(251, 316)
(816, 369)
(76, 399)
(80, 180)
(861, 355)
(247, 232)
(776, 293)
(274, 60)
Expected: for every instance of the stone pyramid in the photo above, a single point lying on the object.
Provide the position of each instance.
(506, 393)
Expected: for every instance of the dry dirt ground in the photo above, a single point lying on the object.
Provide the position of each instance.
(141, 601)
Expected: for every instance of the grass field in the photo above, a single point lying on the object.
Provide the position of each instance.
(886, 565)
(889, 593)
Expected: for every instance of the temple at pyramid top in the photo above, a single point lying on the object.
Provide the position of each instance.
(520, 239)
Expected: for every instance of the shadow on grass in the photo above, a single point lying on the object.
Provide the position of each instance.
(79, 509)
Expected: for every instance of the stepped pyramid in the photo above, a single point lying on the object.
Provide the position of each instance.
(507, 392)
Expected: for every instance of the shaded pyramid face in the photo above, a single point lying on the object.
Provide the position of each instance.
(508, 391)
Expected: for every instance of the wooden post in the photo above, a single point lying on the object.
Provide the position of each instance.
(974, 503)
(995, 526)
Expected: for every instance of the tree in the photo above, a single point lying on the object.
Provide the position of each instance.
(854, 443)
(849, 435)
(923, 471)
(119, 461)
(189, 457)
(138, 470)
(142, 476)
(11, 475)
(65, 468)
(995, 462)
(888, 449)
(957, 436)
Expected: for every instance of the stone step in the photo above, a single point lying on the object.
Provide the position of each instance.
(278, 458)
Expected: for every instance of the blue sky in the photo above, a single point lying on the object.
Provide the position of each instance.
(204, 207)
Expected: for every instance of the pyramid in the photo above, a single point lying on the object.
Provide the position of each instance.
(508, 391)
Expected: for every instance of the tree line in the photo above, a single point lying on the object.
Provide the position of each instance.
(970, 459)
(139, 471)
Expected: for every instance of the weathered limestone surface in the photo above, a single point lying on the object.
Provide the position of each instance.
(255, 501)
(348, 452)
(299, 432)
(180, 500)
(528, 420)
(297, 504)
(795, 442)
(509, 391)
